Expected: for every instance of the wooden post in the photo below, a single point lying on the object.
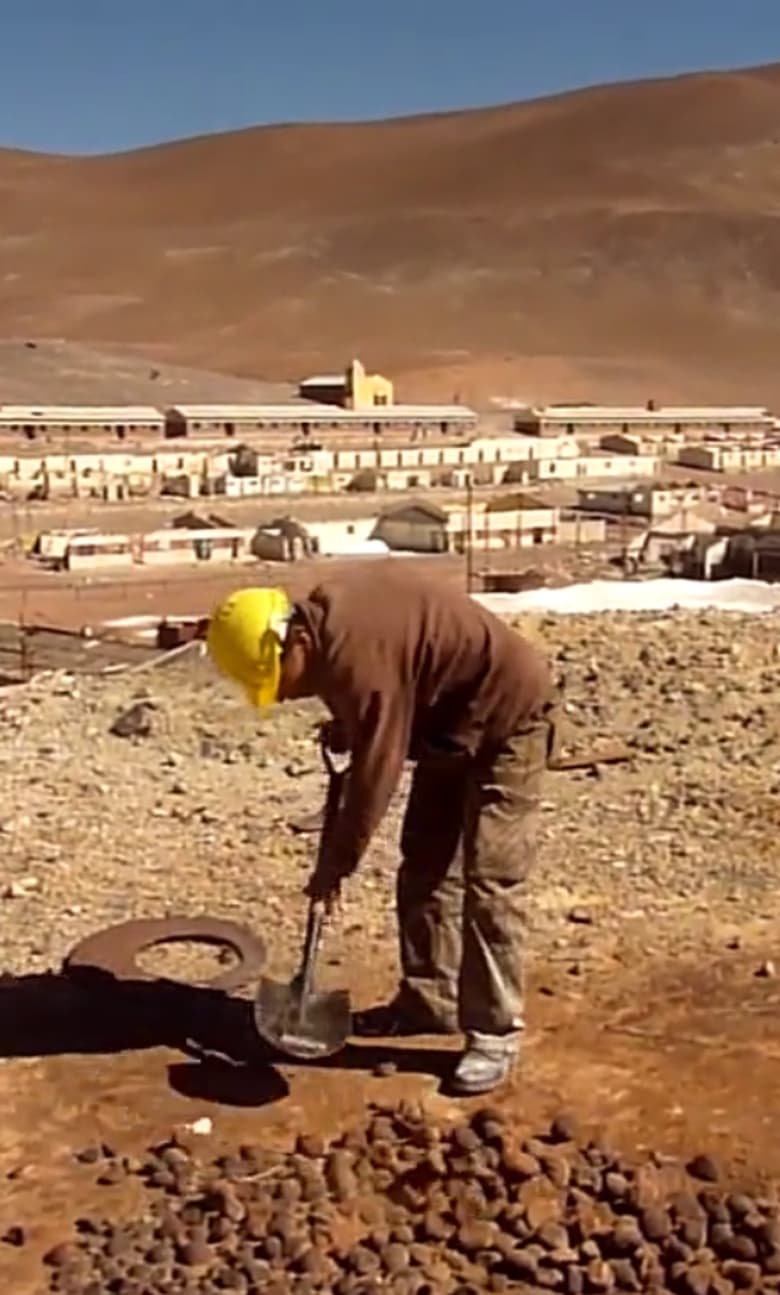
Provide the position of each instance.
(469, 533)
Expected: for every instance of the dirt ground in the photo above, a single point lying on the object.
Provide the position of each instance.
(653, 928)
(39, 597)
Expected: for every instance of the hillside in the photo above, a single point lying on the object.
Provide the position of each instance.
(585, 245)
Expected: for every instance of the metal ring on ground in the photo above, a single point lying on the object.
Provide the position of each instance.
(115, 949)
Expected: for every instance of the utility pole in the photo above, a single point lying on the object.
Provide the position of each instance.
(469, 533)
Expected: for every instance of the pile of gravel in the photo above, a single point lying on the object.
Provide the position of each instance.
(410, 1206)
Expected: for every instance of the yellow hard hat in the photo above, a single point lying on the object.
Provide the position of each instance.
(244, 638)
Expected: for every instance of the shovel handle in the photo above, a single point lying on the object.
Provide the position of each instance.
(311, 944)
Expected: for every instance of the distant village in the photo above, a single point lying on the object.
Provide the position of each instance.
(673, 479)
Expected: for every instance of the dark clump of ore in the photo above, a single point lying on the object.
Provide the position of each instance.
(408, 1205)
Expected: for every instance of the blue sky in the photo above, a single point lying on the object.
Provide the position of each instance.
(89, 76)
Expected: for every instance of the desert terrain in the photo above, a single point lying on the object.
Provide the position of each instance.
(613, 244)
(652, 944)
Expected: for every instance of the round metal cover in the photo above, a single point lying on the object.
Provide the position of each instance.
(115, 949)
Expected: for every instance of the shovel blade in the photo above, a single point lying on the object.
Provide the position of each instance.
(316, 1027)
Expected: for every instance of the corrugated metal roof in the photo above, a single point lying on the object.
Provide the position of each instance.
(87, 539)
(640, 413)
(312, 412)
(80, 414)
(517, 502)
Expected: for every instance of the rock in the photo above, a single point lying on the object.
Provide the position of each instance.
(626, 1236)
(656, 1224)
(522, 1265)
(311, 1145)
(625, 1275)
(519, 1164)
(599, 1275)
(88, 1155)
(63, 1255)
(616, 1186)
(743, 1247)
(564, 1128)
(134, 722)
(739, 1205)
(704, 1168)
(745, 1276)
(340, 1175)
(14, 1236)
(580, 917)
(195, 1254)
(766, 970)
(22, 887)
(111, 1175)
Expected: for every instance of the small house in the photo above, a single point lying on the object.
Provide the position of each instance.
(414, 527)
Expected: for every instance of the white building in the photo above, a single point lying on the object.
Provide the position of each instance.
(689, 421)
(731, 456)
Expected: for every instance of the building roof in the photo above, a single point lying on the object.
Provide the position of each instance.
(415, 506)
(325, 380)
(312, 412)
(641, 414)
(85, 539)
(80, 414)
(516, 502)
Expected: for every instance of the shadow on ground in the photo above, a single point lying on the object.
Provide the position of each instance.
(94, 1014)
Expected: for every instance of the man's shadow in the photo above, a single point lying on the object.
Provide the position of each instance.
(92, 1013)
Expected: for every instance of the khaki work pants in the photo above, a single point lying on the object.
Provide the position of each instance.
(467, 847)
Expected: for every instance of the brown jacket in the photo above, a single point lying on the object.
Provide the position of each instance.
(408, 666)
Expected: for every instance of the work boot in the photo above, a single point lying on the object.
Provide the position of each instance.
(487, 1062)
(400, 1019)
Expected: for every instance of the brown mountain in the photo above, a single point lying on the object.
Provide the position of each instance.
(615, 242)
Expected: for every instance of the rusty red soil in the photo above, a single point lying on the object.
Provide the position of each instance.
(665, 1056)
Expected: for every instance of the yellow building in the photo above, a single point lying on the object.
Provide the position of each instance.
(354, 389)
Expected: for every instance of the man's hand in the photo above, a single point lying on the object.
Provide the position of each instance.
(325, 889)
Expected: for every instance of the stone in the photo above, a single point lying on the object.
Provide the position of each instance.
(704, 1168)
(564, 1128)
(655, 1223)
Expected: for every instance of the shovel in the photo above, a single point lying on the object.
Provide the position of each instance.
(295, 1018)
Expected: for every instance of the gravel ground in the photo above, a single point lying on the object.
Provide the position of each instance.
(674, 848)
